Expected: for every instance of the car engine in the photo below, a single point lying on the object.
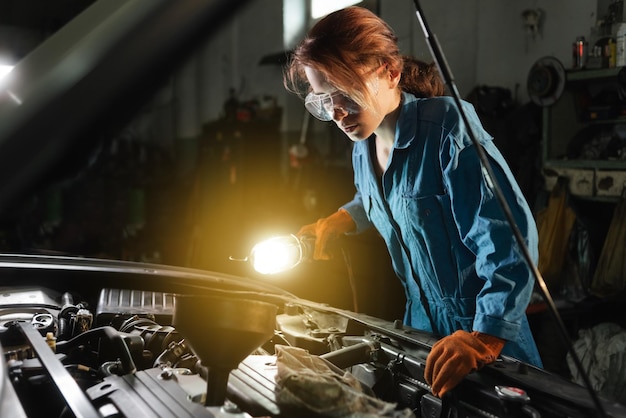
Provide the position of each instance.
(136, 353)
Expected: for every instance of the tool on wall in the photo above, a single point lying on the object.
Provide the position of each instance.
(533, 21)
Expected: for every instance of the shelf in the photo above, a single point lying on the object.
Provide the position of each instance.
(589, 164)
(616, 121)
(577, 75)
(593, 179)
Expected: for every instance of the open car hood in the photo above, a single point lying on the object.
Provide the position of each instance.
(176, 321)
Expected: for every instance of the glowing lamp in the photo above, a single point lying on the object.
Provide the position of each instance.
(279, 254)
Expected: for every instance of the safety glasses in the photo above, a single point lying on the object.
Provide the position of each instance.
(324, 105)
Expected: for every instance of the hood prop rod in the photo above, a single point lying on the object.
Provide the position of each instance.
(446, 73)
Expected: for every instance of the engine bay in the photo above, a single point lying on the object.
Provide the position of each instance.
(133, 353)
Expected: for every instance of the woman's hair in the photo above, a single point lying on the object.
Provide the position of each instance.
(421, 79)
(350, 44)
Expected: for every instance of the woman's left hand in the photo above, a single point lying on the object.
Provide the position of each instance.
(455, 356)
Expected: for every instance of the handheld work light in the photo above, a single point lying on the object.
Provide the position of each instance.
(279, 254)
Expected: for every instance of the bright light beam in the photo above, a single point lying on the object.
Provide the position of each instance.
(4, 70)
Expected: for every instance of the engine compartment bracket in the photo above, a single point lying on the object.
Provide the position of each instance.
(75, 398)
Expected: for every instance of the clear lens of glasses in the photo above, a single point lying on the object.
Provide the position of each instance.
(323, 105)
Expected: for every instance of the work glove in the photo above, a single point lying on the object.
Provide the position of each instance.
(455, 356)
(326, 230)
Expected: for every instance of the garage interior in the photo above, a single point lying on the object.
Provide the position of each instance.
(222, 156)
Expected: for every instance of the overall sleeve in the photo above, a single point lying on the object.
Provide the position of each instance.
(358, 213)
(483, 228)
(358, 207)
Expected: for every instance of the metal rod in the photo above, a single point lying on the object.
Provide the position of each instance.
(446, 73)
(74, 396)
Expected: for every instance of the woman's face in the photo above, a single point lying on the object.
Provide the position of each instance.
(355, 121)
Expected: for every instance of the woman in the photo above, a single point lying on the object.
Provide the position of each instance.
(419, 182)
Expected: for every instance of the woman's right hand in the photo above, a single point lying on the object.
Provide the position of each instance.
(327, 230)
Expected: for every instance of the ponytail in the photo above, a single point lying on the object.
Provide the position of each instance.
(421, 79)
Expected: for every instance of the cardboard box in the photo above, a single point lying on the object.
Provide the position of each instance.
(610, 183)
(581, 181)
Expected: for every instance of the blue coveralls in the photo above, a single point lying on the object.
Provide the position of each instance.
(444, 226)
